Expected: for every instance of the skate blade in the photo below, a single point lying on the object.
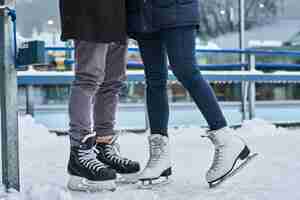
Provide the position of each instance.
(83, 185)
(154, 183)
(124, 179)
(234, 171)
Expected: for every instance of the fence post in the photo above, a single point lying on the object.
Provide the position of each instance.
(252, 87)
(244, 84)
(8, 99)
(30, 100)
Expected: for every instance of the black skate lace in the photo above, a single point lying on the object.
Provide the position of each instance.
(89, 160)
(112, 152)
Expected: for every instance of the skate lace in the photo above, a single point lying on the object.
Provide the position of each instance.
(218, 158)
(155, 152)
(88, 158)
(112, 152)
(218, 155)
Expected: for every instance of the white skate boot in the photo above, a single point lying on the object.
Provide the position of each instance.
(159, 163)
(229, 150)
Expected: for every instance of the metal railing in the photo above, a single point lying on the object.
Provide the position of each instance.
(211, 72)
(231, 66)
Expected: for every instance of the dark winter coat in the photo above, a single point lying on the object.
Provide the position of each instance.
(93, 20)
(153, 15)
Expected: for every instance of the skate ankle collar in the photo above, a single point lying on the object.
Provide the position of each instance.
(110, 139)
(221, 130)
(156, 135)
(87, 137)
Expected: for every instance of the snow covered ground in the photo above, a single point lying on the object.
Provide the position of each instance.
(273, 175)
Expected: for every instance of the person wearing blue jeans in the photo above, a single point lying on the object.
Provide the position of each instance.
(178, 44)
(166, 31)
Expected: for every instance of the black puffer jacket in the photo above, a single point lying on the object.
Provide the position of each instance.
(151, 15)
(93, 20)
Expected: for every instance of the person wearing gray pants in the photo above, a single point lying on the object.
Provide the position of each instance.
(99, 76)
(98, 29)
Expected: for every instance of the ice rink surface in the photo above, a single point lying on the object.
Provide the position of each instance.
(275, 174)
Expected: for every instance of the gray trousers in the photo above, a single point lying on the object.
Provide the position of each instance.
(99, 75)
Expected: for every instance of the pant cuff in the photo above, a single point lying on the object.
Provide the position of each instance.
(160, 132)
(104, 132)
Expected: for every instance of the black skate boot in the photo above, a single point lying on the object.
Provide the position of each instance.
(110, 155)
(87, 172)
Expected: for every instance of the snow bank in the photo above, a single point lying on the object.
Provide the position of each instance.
(44, 192)
(38, 192)
(28, 128)
(249, 128)
(33, 137)
(259, 127)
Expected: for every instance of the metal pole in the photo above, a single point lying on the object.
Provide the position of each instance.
(8, 98)
(252, 100)
(30, 100)
(252, 88)
(242, 56)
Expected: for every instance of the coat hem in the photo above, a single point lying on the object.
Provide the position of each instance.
(74, 37)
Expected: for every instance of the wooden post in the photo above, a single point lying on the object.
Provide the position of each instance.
(8, 99)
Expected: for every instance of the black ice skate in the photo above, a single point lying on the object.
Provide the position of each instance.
(110, 155)
(87, 172)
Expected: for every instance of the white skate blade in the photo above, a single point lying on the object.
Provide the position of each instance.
(127, 179)
(234, 171)
(83, 185)
(154, 183)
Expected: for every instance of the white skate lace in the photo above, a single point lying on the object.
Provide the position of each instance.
(89, 160)
(155, 152)
(218, 158)
(112, 152)
(218, 155)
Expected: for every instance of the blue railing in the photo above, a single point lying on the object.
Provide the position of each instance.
(53, 78)
(222, 67)
(232, 51)
(249, 77)
(45, 78)
(59, 49)
(230, 66)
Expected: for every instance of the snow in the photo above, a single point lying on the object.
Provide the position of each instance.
(273, 175)
(33, 72)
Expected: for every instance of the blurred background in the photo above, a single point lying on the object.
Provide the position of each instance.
(269, 25)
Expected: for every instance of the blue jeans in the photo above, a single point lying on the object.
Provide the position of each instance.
(179, 45)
